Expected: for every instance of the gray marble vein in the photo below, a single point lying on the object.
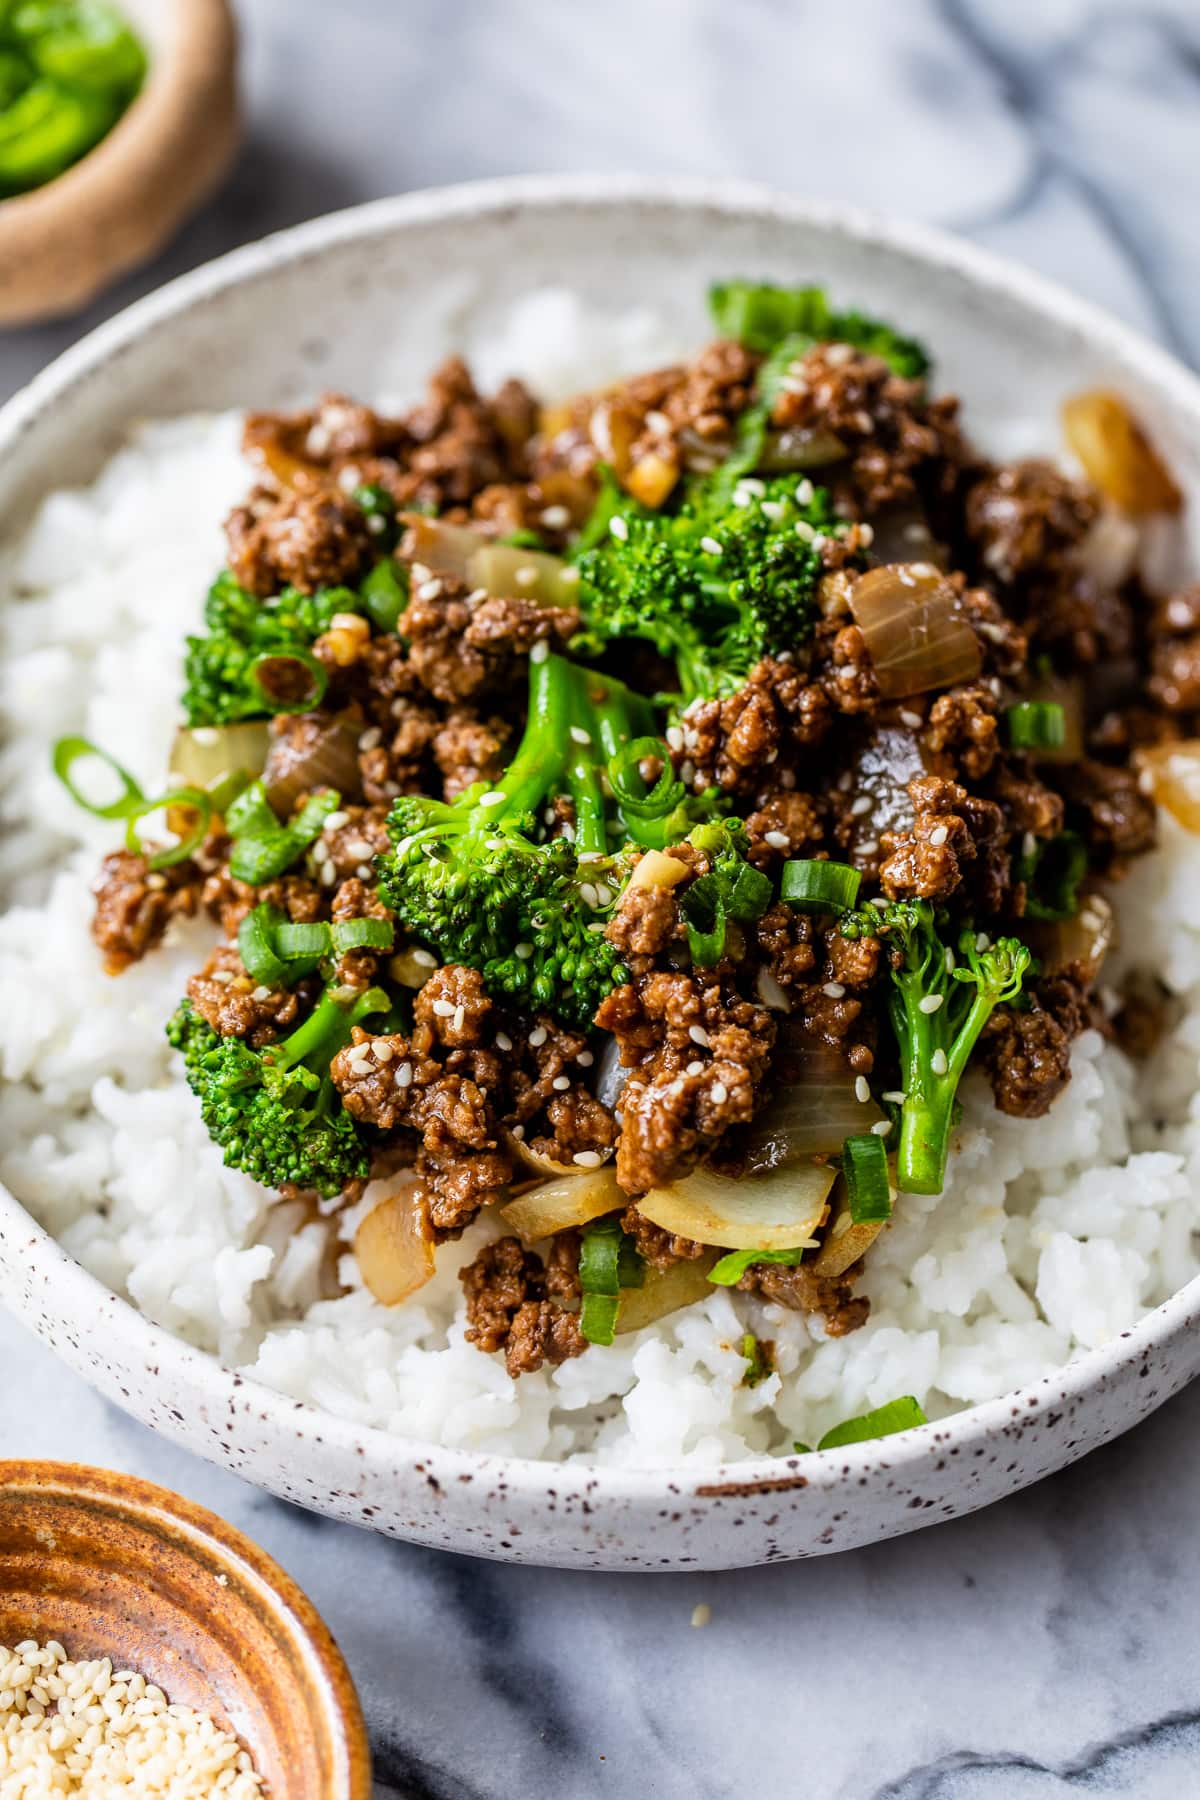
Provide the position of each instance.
(1047, 1648)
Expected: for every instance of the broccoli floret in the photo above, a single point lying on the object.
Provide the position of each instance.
(760, 315)
(241, 629)
(275, 1112)
(715, 586)
(940, 1002)
(479, 880)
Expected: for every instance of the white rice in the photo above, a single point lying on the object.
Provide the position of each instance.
(1051, 1236)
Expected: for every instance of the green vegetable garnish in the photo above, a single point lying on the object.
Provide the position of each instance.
(759, 1362)
(759, 315)
(729, 1271)
(1036, 725)
(864, 1167)
(814, 886)
(68, 70)
(608, 1262)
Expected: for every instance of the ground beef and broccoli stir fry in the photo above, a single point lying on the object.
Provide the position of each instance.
(634, 816)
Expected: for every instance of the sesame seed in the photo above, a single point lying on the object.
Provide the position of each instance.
(938, 835)
(674, 737)
(537, 1036)
(701, 1615)
(384, 1051)
(866, 534)
(429, 590)
(720, 1093)
(335, 821)
(524, 951)
(868, 847)
(156, 880)
(861, 806)
(376, 524)
(619, 529)
(492, 798)
(261, 993)
(805, 530)
(930, 1003)
(938, 1063)
(460, 1017)
(1028, 845)
(561, 1083)
(518, 1131)
(881, 1127)
(527, 575)
(403, 1076)
(579, 735)
(773, 510)
(834, 989)
(555, 518)
(698, 1035)
(1091, 921)
(443, 1009)
(370, 739)
(502, 1041)
(222, 976)
(948, 960)
(711, 545)
(603, 893)
(540, 651)
(862, 1089)
(804, 492)
(569, 575)
(894, 1096)
(588, 1159)
(778, 840)
(585, 1059)
(753, 485)
(687, 770)
(982, 941)
(913, 720)
(695, 1068)
(363, 871)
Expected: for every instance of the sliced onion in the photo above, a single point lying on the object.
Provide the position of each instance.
(206, 754)
(1080, 943)
(444, 549)
(1171, 772)
(810, 448)
(613, 428)
(394, 1253)
(611, 1074)
(532, 1159)
(652, 478)
(1109, 552)
(411, 968)
(506, 570)
(1117, 455)
(815, 1107)
(702, 455)
(915, 629)
(288, 470)
(574, 1199)
(324, 755)
(664, 1291)
(843, 1244)
(775, 1211)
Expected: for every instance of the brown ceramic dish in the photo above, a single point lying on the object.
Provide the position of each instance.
(113, 1566)
(62, 243)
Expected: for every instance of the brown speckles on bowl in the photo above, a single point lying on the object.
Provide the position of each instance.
(112, 1566)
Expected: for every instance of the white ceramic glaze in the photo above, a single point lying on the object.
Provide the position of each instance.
(367, 299)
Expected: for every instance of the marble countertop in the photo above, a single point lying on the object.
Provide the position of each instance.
(1047, 1647)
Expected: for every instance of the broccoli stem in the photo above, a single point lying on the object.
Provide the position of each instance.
(325, 1031)
(538, 764)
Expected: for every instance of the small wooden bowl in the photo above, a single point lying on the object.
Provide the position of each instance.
(61, 243)
(112, 1566)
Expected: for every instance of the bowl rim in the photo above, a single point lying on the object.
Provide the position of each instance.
(968, 1428)
(115, 1491)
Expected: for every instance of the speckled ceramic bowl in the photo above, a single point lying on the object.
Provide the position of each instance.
(271, 324)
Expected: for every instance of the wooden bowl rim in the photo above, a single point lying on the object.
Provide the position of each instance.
(208, 1537)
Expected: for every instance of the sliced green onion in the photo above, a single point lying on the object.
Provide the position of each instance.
(630, 789)
(598, 1317)
(729, 1271)
(895, 1415)
(600, 1257)
(309, 822)
(256, 944)
(303, 940)
(631, 1267)
(385, 594)
(864, 1166)
(224, 792)
(362, 934)
(1052, 875)
(704, 917)
(819, 886)
(759, 1361)
(374, 499)
(70, 750)
(197, 801)
(1036, 725)
(258, 859)
(275, 663)
(251, 814)
(748, 894)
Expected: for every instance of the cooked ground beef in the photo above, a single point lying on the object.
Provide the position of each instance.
(236, 1005)
(833, 1302)
(1025, 517)
(304, 538)
(134, 905)
(1027, 1051)
(513, 1304)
